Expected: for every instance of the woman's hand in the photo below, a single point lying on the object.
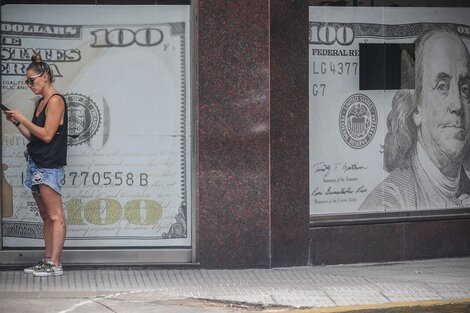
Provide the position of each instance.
(15, 116)
(8, 116)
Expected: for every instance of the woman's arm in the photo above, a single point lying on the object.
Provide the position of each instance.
(54, 117)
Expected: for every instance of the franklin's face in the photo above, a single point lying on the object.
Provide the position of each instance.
(444, 111)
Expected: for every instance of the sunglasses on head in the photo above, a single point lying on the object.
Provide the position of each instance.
(30, 80)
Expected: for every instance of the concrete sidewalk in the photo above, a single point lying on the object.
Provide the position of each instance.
(339, 286)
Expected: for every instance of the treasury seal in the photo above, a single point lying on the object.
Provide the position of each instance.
(84, 118)
(358, 121)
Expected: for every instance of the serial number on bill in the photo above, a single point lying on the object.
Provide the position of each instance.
(86, 178)
(336, 68)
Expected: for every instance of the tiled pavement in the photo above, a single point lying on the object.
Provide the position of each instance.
(298, 287)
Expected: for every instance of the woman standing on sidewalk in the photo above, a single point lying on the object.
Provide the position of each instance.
(46, 157)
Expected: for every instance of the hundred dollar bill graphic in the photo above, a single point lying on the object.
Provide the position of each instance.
(125, 78)
(347, 123)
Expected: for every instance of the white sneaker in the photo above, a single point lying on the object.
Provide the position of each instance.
(32, 269)
(49, 269)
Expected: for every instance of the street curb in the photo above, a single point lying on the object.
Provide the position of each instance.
(382, 306)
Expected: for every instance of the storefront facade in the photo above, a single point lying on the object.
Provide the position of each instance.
(198, 138)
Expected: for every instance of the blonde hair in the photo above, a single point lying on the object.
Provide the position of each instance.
(40, 67)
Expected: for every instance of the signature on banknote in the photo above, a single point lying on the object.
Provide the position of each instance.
(325, 169)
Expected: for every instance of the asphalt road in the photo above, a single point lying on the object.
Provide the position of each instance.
(150, 302)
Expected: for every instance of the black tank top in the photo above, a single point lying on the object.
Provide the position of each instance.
(53, 154)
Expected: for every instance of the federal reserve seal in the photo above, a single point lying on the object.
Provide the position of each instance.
(358, 121)
(84, 118)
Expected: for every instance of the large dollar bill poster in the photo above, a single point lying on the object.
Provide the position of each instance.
(388, 149)
(125, 73)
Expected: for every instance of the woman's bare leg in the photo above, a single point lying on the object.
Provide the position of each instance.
(55, 221)
(47, 228)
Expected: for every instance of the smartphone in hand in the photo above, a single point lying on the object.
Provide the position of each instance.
(4, 108)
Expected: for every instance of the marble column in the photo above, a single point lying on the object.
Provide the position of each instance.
(251, 109)
(289, 132)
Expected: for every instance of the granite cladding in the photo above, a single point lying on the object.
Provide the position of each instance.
(251, 133)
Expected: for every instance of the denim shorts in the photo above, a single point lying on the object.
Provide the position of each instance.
(36, 176)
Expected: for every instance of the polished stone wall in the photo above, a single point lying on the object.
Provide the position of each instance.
(289, 132)
(387, 242)
(232, 144)
(252, 133)
(251, 141)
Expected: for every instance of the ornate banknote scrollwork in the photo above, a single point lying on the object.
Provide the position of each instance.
(22, 230)
(178, 229)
